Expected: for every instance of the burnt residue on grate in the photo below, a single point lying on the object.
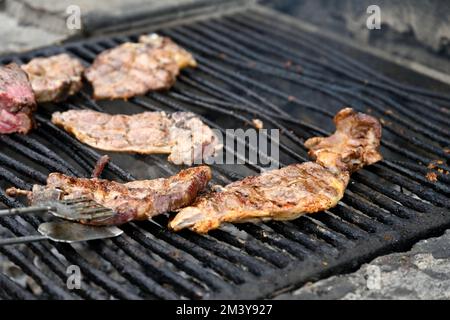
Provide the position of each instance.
(251, 65)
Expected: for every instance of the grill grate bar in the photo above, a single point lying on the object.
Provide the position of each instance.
(411, 156)
(426, 147)
(334, 59)
(12, 178)
(56, 271)
(368, 179)
(133, 275)
(223, 250)
(421, 179)
(44, 253)
(245, 120)
(45, 282)
(352, 215)
(423, 192)
(321, 231)
(122, 174)
(44, 151)
(252, 247)
(265, 234)
(177, 257)
(34, 155)
(319, 86)
(383, 201)
(262, 63)
(439, 186)
(159, 270)
(362, 204)
(13, 290)
(238, 78)
(21, 168)
(423, 171)
(336, 94)
(341, 226)
(96, 276)
(220, 265)
(85, 165)
(259, 22)
(312, 243)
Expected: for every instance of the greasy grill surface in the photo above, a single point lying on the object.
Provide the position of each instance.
(247, 69)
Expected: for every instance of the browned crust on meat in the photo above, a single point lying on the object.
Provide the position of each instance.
(100, 165)
(132, 69)
(355, 143)
(116, 132)
(137, 200)
(297, 189)
(54, 78)
(182, 134)
(282, 194)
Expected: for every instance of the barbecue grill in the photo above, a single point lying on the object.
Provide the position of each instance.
(254, 63)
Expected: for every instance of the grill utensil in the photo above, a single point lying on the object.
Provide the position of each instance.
(73, 210)
(65, 231)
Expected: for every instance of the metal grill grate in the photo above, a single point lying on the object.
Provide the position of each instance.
(251, 64)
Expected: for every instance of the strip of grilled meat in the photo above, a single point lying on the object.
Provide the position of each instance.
(137, 200)
(54, 78)
(181, 134)
(17, 101)
(135, 68)
(295, 190)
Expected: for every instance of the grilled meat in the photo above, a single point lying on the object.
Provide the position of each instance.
(137, 200)
(135, 68)
(183, 58)
(281, 194)
(354, 144)
(54, 78)
(182, 135)
(258, 124)
(297, 189)
(17, 101)
(102, 162)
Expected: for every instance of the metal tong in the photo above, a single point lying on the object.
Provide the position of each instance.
(79, 209)
(76, 209)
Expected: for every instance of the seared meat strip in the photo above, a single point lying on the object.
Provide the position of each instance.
(182, 135)
(354, 145)
(297, 189)
(135, 68)
(17, 101)
(182, 58)
(54, 78)
(102, 162)
(137, 200)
